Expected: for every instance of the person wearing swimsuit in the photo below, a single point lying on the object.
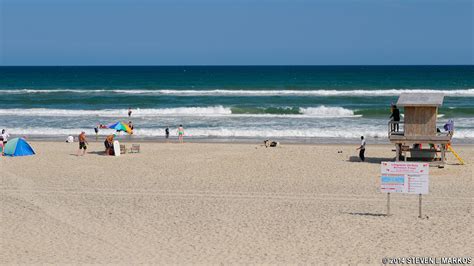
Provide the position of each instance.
(180, 134)
(82, 143)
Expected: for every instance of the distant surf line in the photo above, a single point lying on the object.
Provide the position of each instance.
(243, 93)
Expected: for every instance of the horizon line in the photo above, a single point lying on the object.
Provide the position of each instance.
(236, 65)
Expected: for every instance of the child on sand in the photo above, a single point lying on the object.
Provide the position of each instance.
(180, 134)
(82, 143)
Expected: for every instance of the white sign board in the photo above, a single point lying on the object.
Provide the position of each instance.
(116, 148)
(404, 177)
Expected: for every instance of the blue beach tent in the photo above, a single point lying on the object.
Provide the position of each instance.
(18, 147)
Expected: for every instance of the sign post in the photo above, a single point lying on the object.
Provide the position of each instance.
(404, 177)
(388, 204)
(419, 206)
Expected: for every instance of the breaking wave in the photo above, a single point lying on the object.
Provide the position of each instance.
(320, 111)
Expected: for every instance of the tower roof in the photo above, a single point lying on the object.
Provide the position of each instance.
(420, 99)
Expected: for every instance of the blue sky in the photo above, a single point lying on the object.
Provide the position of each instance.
(225, 32)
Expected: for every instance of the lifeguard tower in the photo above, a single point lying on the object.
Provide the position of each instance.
(417, 132)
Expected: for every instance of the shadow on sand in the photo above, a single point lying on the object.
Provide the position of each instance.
(102, 153)
(377, 160)
(97, 153)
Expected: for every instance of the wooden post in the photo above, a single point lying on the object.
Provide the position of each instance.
(405, 156)
(443, 154)
(419, 207)
(388, 204)
(397, 151)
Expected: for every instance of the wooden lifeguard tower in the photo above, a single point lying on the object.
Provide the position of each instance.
(417, 133)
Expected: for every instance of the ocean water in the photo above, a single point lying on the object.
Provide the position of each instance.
(294, 103)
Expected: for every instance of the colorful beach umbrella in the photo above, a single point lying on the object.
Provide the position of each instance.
(18, 147)
(120, 126)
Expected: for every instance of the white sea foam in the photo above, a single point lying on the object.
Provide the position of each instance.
(323, 111)
(221, 92)
(230, 132)
(188, 111)
(320, 111)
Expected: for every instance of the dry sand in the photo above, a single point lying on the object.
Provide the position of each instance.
(225, 203)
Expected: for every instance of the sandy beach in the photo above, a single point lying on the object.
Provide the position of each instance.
(225, 203)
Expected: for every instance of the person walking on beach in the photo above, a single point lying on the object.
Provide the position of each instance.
(395, 116)
(362, 149)
(4, 136)
(167, 133)
(82, 143)
(180, 134)
(129, 111)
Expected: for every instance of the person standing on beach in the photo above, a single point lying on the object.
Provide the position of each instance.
(395, 116)
(167, 133)
(2, 148)
(4, 136)
(362, 149)
(129, 111)
(82, 143)
(180, 134)
(96, 130)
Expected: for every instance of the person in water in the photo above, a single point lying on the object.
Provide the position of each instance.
(395, 116)
(167, 133)
(129, 111)
(82, 143)
(130, 125)
(180, 134)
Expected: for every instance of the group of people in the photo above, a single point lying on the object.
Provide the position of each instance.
(82, 139)
(102, 126)
(109, 140)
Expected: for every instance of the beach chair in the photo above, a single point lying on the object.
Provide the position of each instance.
(135, 148)
(123, 149)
